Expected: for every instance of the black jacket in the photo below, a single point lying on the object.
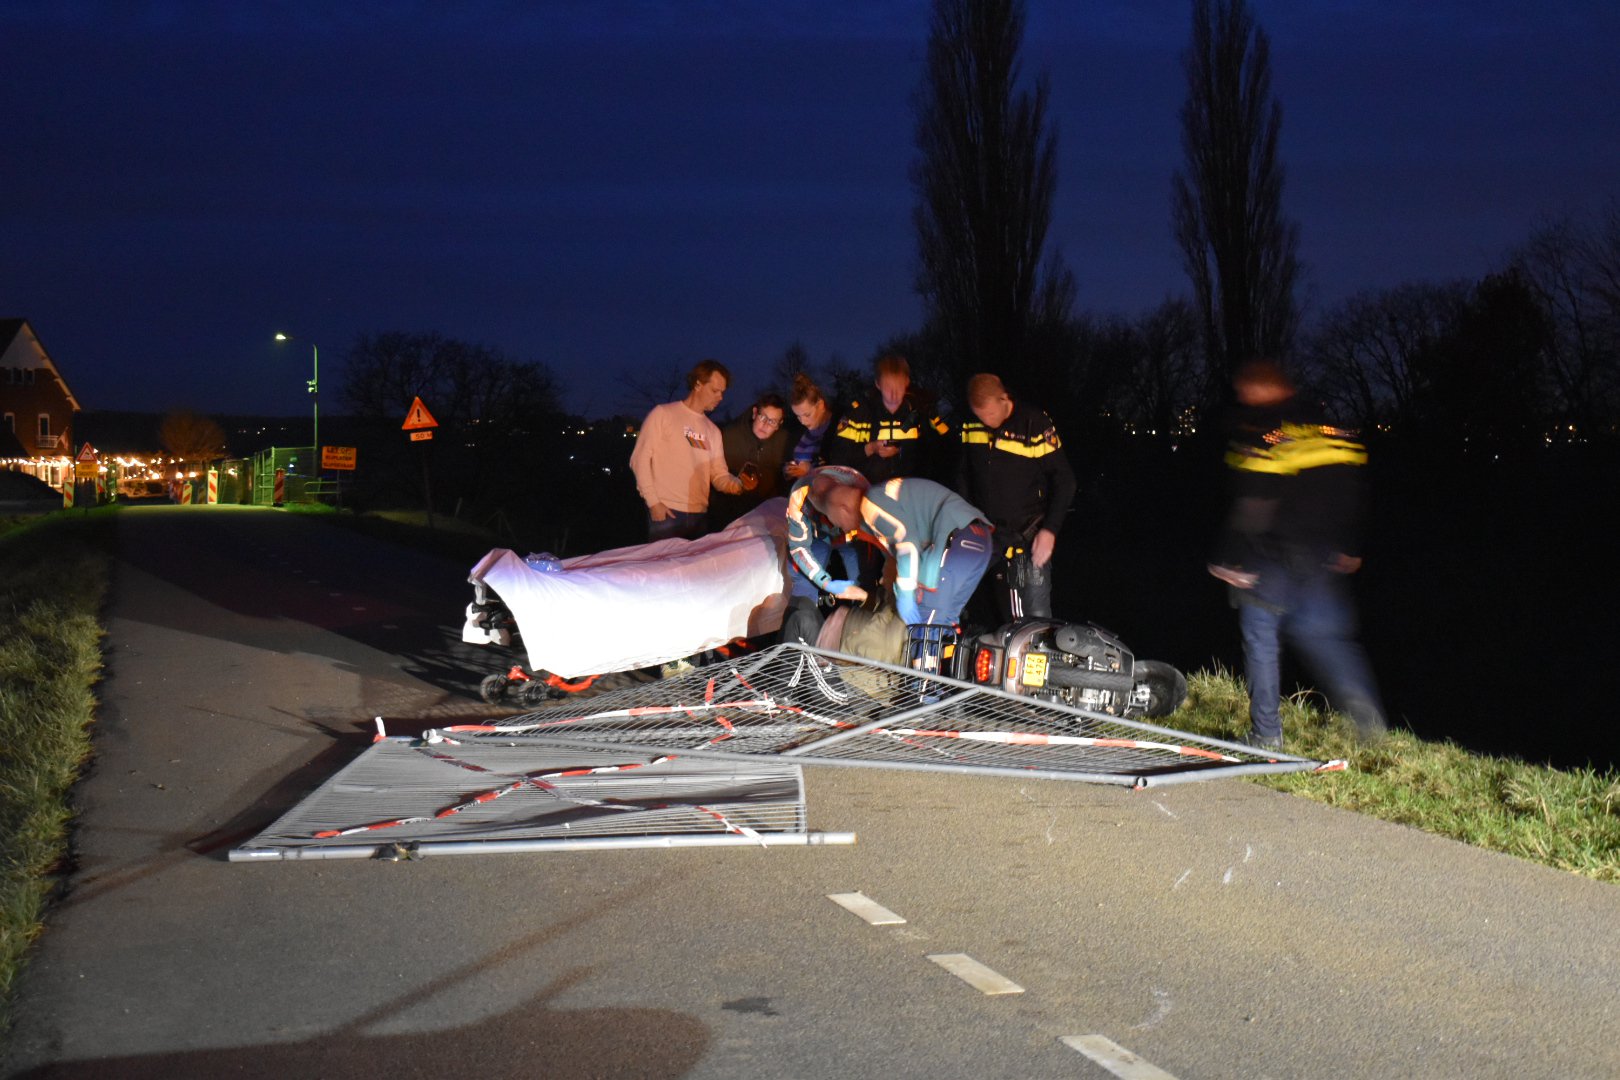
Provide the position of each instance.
(1017, 474)
(1297, 487)
(915, 428)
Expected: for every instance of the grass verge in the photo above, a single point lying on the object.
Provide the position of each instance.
(53, 577)
(1564, 818)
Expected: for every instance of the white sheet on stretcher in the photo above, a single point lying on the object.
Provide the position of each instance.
(638, 606)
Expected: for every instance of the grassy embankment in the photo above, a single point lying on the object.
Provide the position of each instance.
(1564, 818)
(53, 576)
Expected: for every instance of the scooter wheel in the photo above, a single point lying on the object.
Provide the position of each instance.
(492, 689)
(1167, 687)
(534, 692)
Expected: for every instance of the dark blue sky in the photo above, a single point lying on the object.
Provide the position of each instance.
(618, 187)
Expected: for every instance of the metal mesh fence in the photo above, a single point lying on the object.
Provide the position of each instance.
(411, 792)
(823, 708)
(713, 756)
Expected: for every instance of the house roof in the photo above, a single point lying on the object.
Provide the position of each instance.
(13, 329)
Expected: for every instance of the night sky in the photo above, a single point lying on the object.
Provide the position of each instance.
(629, 186)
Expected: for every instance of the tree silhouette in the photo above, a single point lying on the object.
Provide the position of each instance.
(498, 418)
(1236, 245)
(1371, 357)
(984, 179)
(191, 439)
(1572, 267)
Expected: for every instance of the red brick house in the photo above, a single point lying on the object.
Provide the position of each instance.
(36, 408)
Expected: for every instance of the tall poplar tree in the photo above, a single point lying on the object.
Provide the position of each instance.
(1236, 245)
(985, 177)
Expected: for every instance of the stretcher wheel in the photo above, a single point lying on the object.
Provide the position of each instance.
(492, 689)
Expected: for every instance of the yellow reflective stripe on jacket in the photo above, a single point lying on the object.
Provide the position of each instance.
(1293, 448)
(891, 431)
(976, 434)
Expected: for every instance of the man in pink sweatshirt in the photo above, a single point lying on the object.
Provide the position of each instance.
(678, 457)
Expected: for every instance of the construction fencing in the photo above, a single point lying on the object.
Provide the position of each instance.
(713, 755)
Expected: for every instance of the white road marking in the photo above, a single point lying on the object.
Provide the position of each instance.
(975, 974)
(867, 908)
(1114, 1057)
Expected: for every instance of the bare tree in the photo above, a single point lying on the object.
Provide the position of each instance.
(794, 361)
(1165, 395)
(985, 177)
(191, 439)
(642, 389)
(1236, 245)
(1370, 357)
(497, 417)
(1573, 269)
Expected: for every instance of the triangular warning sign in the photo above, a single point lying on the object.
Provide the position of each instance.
(418, 417)
(86, 453)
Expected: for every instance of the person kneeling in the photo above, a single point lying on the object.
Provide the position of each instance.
(940, 543)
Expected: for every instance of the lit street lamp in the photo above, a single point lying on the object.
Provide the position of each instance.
(314, 385)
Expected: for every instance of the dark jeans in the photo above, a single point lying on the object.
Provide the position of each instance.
(1311, 608)
(679, 523)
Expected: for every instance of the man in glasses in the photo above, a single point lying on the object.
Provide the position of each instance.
(756, 444)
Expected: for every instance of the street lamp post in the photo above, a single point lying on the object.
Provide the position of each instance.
(314, 385)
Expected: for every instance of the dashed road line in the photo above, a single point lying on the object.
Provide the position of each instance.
(1114, 1057)
(867, 908)
(983, 979)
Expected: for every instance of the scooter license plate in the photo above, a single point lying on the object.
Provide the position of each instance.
(1034, 670)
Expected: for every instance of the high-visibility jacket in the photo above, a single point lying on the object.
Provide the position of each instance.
(914, 428)
(1297, 484)
(1018, 474)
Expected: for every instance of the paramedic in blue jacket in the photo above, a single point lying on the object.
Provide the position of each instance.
(816, 550)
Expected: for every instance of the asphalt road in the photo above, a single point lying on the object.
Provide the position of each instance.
(1214, 930)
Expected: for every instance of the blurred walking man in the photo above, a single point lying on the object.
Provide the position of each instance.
(1290, 541)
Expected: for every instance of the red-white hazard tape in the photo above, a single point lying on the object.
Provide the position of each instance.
(540, 780)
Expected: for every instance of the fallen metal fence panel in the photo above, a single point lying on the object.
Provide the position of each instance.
(412, 796)
(807, 705)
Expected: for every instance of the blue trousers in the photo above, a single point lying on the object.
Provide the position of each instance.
(965, 559)
(1310, 608)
